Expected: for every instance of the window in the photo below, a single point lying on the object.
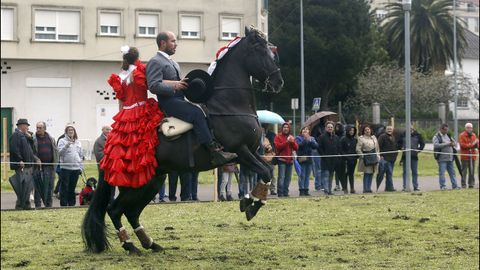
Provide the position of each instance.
(462, 101)
(56, 25)
(190, 26)
(110, 23)
(148, 24)
(8, 23)
(230, 28)
(381, 14)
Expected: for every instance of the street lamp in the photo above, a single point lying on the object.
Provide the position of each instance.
(455, 100)
(302, 72)
(407, 6)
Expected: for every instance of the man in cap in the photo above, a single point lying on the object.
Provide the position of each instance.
(163, 79)
(22, 158)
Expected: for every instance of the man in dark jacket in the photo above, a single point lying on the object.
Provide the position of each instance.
(417, 145)
(348, 144)
(328, 144)
(46, 149)
(339, 169)
(22, 159)
(98, 148)
(387, 143)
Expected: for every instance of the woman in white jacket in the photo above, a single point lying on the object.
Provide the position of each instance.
(71, 156)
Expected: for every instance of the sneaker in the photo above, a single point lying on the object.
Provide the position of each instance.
(222, 198)
(352, 191)
(443, 188)
(416, 189)
(273, 193)
(456, 188)
(229, 198)
(337, 188)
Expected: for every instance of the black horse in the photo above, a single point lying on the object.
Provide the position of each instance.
(233, 117)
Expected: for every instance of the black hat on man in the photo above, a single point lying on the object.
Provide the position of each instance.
(22, 121)
(200, 86)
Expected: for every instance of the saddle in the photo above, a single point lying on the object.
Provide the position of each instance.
(173, 127)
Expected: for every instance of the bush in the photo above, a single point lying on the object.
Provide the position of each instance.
(427, 133)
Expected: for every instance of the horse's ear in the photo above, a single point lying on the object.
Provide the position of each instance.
(247, 30)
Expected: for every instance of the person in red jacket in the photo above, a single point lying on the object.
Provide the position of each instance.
(468, 148)
(284, 146)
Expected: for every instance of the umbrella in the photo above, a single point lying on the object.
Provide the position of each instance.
(298, 168)
(20, 187)
(457, 162)
(268, 117)
(315, 118)
(41, 186)
(379, 179)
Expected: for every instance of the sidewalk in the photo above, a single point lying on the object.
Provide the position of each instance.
(205, 192)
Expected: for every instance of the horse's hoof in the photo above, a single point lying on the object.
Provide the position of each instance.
(251, 212)
(244, 203)
(134, 252)
(156, 247)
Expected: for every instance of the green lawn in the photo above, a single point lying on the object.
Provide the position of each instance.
(432, 230)
(427, 167)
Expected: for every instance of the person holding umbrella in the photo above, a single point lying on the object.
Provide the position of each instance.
(22, 158)
(47, 152)
(468, 148)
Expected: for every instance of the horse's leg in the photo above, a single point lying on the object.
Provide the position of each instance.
(144, 195)
(115, 211)
(258, 197)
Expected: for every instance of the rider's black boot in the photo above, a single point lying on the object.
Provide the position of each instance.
(219, 157)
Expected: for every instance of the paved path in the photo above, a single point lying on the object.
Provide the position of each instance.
(205, 192)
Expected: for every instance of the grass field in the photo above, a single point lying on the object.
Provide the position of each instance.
(434, 230)
(427, 167)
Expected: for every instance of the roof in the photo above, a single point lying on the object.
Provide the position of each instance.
(471, 50)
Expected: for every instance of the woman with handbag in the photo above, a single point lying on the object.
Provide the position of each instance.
(367, 148)
(306, 144)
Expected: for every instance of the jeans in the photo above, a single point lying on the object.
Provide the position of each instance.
(48, 180)
(468, 168)
(317, 170)
(284, 178)
(414, 168)
(367, 182)
(327, 177)
(194, 186)
(385, 167)
(303, 180)
(69, 179)
(448, 166)
(161, 193)
(248, 179)
(226, 183)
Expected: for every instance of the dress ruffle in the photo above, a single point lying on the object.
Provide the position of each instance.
(129, 153)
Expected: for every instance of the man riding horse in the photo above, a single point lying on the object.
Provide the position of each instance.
(163, 79)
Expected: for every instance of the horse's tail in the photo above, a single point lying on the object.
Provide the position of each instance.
(93, 227)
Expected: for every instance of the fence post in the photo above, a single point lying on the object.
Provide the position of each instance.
(441, 112)
(376, 113)
(4, 144)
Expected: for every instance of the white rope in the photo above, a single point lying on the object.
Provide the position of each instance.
(321, 156)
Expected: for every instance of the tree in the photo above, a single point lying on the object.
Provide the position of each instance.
(385, 84)
(431, 25)
(337, 38)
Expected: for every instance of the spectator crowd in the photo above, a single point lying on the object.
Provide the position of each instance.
(324, 153)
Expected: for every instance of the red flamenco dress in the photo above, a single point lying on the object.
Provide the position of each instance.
(129, 153)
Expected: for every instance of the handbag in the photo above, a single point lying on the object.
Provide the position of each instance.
(370, 158)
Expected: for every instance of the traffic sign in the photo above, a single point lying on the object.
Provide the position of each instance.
(294, 104)
(316, 104)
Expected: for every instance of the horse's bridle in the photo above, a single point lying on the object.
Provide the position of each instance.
(267, 82)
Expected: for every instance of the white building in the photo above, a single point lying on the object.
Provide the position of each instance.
(57, 55)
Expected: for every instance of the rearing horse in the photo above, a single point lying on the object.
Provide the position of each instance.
(232, 113)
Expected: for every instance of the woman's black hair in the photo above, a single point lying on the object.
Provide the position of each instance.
(366, 126)
(130, 58)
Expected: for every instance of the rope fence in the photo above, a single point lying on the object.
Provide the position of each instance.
(293, 156)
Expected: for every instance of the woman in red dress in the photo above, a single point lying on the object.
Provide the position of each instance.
(129, 153)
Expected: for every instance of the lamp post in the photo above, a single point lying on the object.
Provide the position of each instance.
(407, 6)
(455, 100)
(302, 73)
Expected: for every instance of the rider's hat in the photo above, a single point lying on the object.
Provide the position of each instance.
(200, 86)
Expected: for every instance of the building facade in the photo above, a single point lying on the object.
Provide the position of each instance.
(57, 55)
